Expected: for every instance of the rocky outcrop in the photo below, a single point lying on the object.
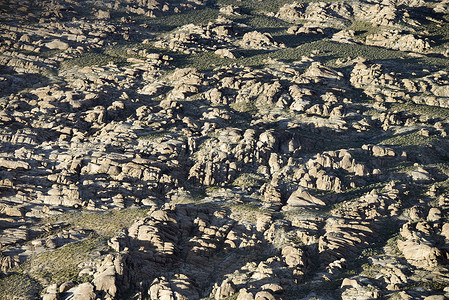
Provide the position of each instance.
(258, 40)
(192, 150)
(396, 41)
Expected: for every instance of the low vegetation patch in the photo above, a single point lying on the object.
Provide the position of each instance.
(19, 286)
(409, 139)
(249, 180)
(92, 59)
(62, 264)
(104, 224)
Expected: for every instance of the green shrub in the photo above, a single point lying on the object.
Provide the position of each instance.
(369, 252)
(433, 285)
(92, 59)
(393, 244)
(426, 110)
(152, 136)
(104, 224)
(171, 21)
(19, 286)
(249, 180)
(244, 107)
(362, 29)
(61, 264)
(408, 139)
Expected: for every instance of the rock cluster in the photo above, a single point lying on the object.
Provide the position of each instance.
(207, 150)
(388, 16)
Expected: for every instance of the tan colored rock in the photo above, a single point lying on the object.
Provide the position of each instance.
(435, 297)
(226, 289)
(57, 44)
(318, 70)
(66, 286)
(264, 295)
(102, 14)
(12, 211)
(230, 10)
(434, 215)
(396, 41)
(8, 262)
(14, 164)
(272, 196)
(292, 13)
(84, 291)
(258, 40)
(293, 257)
(104, 280)
(245, 295)
(301, 198)
(225, 53)
(421, 175)
(445, 231)
(420, 254)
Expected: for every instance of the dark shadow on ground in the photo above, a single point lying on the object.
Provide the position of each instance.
(15, 82)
